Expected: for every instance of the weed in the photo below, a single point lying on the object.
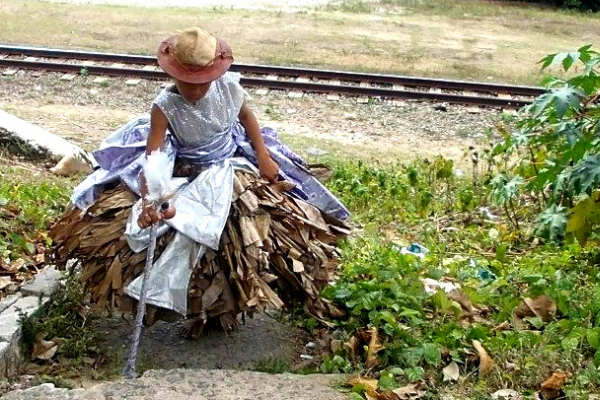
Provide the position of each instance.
(273, 365)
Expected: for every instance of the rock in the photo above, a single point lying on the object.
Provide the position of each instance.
(9, 301)
(315, 152)
(36, 139)
(71, 165)
(198, 385)
(44, 283)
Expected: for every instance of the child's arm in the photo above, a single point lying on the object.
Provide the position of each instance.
(156, 140)
(267, 167)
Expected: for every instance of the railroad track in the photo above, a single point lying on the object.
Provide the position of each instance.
(295, 80)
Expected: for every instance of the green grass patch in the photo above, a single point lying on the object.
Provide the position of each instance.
(26, 211)
(382, 291)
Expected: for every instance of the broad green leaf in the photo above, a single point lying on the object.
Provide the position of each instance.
(397, 371)
(597, 359)
(547, 61)
(355, 396)
(387, 382)
(501, 251)
(414, 374)
(432, 354)
(557, 101)
(593, 338)
(569, 60)
(584, 215)
(586, 173)
(551, 223)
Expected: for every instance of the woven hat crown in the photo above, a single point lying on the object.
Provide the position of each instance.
(194, 46)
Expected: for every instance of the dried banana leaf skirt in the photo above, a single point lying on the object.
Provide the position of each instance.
(236, 244)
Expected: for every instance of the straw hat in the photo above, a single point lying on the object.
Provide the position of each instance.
(194, 56)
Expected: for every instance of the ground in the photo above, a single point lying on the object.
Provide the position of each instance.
(446, 38)
(472, 39)
(198, 385)
(86, 113)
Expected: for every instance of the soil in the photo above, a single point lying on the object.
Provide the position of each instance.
(86, 113)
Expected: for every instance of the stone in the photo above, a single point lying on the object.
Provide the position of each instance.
(362, 100)
(10, 72)
(295, 95)
(44, 284)
(303, 80)
(9, 301)
(100, 80)
(262, 92)
(198, 385)
(333, 97)
(68, 77)
(13, 129)
(9, 320)
(315, 152)
(132, 82)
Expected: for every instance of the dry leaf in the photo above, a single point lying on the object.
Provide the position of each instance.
(542, 307)
(555, 382)
(352, 346)
(387, 395)
(40, 259)
(461, 298)
(505, 326)
(374, 348)
(43, 349)
(486, 364)
(451, 372)
(409, 392)
(506, 394)
(369, 384)
(5, 281)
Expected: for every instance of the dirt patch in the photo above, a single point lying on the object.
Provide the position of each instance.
(86, 113)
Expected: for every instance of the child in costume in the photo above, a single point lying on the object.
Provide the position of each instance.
(248, 226)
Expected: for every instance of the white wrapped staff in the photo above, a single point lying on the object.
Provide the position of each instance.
(157, 176)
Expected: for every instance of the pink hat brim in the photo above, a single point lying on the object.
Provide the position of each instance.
(191, 73)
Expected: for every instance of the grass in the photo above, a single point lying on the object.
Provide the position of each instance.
(449, 38)
(421, 332)
(27, 207)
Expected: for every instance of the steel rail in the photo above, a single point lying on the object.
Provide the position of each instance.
(273, 84)
(397, 80)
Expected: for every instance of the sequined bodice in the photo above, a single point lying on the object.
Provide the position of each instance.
(207, 120)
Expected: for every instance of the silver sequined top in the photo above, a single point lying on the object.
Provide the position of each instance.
(194, 124)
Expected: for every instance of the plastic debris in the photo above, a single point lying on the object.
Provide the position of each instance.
(432, 286)
(416, 250)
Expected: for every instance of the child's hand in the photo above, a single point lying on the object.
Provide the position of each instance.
(150, 216)
(268, 169)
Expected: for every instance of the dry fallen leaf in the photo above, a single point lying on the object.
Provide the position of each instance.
(374, 347)
(352, 346)
(555, 382)
(43, 349)
(369, 384)
(461, 298)
(451, 372)
(505, 326)
(486, 364)
(506, 394)
(542, 307)
(5, 281)
(410, 392)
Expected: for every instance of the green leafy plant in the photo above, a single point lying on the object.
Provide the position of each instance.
(555, 153)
